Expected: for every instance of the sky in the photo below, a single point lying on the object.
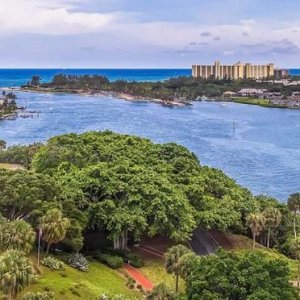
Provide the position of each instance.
(147, 33)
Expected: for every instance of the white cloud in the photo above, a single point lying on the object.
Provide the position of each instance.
(54, 17)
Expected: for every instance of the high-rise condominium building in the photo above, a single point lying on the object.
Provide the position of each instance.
(236, 71)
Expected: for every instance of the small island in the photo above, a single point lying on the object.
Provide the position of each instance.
(8, 106)
(180, 91)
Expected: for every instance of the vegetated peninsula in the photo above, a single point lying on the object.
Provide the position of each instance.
(180, 91)
(8, 106)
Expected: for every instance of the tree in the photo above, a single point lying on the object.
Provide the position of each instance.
(161, 292)
(256, 223)
(240, 275)
(16, 235)
(26, 195)
(2, 145)
(294, 206)
(272, 220)
(35, 80)
(174, 263)
(16, 272)
(54, 227)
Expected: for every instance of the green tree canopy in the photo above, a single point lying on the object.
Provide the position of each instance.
(164, 185)
(244, 275)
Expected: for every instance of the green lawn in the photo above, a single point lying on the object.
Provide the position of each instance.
(155, 271)
(255, 101)
(72, 284)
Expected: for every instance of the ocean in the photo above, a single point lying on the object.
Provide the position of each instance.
(18, 77)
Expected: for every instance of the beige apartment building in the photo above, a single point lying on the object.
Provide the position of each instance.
(236, 71)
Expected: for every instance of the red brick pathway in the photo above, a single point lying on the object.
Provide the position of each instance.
(138, 277)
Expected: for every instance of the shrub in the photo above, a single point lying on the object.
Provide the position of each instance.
(78, 261)
(53, 263)
(131, 283)
(132, 258)
(114, 262)
(135, 260)
(39, 296)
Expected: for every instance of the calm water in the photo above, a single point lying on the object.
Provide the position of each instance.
(261, 151)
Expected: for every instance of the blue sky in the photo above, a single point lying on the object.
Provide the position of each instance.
(147, 33)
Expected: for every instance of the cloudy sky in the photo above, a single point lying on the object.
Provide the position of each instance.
(147, 33)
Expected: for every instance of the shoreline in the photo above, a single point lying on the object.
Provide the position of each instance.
(118, 95)
(170, 103)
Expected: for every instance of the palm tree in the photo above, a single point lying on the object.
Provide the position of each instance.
(16, 272)
(53, 227)
(272, 220)
(256, 223)
(16, 235)
(294, 206)
(161, 292)
(296, 251)
(174, 263)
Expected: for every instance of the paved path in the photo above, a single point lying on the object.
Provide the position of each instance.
(138, 277)
(203, 243)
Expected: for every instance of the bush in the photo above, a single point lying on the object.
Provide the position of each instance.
(39, 296)
(114, 262)
(53, 264)
(132, 258)
(135, 260)
(78, 261)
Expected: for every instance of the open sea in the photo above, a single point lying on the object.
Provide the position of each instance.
(258, 147)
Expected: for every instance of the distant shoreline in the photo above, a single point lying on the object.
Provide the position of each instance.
(118, 95)
(132, 98)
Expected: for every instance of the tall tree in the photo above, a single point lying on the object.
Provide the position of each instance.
(174, 261)
(294, 206)
(272, 220)
(16, 272)
(16, 235)
(256, 223)
(54, 227)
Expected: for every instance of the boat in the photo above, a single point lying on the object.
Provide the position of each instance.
(223, 105)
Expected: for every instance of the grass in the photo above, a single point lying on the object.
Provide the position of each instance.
(72, 284)
(154, 270)
(255, 101)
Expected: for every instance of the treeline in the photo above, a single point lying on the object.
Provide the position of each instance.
(180, 89)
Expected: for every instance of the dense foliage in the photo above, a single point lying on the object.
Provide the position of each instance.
(126, 184)
(19, 155)
(244, 275)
